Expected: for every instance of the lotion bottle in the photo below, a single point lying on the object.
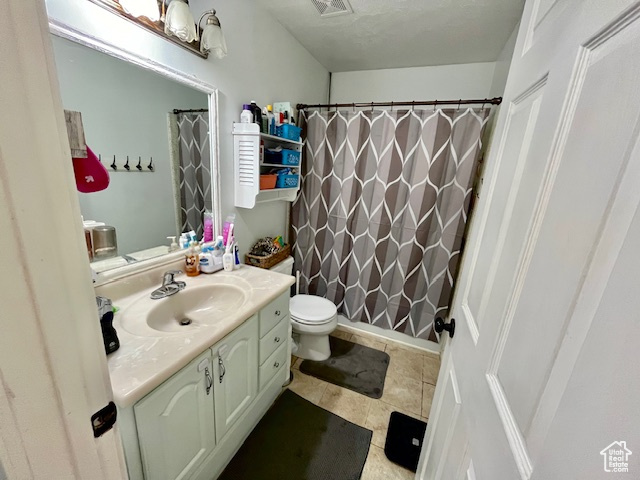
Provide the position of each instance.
(227, 259)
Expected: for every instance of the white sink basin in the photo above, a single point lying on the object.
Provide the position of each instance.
(185, 312)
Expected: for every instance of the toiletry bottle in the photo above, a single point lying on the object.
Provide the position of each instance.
(192, 261)
(246, 116)
(265, 121)
(228, 258)
(257, 113)
(208, 227)
(174, 246)
(271, 119)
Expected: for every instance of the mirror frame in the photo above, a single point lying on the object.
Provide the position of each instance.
(65, 31)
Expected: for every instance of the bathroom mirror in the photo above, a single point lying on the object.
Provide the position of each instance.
(152, 134)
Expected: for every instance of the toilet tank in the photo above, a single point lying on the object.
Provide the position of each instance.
(285, 266)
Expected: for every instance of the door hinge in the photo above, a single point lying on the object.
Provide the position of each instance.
(103, 420)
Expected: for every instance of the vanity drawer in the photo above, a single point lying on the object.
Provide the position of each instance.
(275, 363)
(271, 315)
(272, 340)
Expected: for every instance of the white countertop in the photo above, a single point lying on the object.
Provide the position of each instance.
(142, 363)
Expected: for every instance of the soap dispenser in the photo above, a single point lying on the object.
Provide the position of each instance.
(174, 246)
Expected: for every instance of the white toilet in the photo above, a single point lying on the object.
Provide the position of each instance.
(312, 320)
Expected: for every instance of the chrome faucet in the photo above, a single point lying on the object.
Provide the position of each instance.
(169, 287)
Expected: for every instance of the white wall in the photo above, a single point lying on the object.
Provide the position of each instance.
(445, 82)
(124, 112)
(503, 63)
(265, 63)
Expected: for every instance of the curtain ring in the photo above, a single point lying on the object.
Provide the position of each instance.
(483, 106)
(413, 105)
(372, 106)
(392, 106)
(354, 107)
(435, 105)
(459, 102)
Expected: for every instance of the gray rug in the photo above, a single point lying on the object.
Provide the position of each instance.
(356, 367)
(297, 440)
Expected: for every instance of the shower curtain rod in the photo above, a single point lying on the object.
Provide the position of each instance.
(485, 101)
(198, 110)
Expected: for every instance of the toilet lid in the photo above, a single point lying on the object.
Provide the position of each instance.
(312, 309)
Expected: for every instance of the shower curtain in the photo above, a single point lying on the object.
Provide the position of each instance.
(191, 169)
(379, 221)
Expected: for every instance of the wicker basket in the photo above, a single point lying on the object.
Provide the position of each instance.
(268, 261)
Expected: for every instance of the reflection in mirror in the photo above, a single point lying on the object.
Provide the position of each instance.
(151, 135)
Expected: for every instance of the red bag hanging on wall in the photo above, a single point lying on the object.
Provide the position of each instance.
(91, 176)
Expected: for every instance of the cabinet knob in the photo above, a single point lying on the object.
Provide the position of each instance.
(278, 312)
(277, 339)
(276, 365)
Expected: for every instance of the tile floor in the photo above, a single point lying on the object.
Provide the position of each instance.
(408, 388)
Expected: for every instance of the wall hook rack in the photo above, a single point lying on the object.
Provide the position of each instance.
(128, 167)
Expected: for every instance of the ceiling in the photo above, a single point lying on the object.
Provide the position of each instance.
(401, 33)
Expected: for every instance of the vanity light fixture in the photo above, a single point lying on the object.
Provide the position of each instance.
(142, 8)
(212, 39)
(179, 21)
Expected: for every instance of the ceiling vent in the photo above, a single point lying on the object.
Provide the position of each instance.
(332, 8)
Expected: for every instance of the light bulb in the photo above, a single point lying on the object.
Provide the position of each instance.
(180, 22)
(213, 41)
(142, 8)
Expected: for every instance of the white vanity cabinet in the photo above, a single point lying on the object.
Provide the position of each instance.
(191, 425)
(175, 422)
(235, 374)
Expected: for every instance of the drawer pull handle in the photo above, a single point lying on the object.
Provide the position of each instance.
(278, 312)
(276, 365)
(208, 379)
(277, 339)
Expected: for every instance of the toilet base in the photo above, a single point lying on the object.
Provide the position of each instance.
(312, 347)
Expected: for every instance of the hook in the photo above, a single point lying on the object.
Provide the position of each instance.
(100, 157)
(372, 106)
(354, 107)
(392, 106)
(483, 106)
(413, 105)
(126, 165)
(150, 166)
(113, 165)
(459, 102)
(139, 166)
(435, 105)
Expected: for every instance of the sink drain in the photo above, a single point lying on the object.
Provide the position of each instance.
(185, 321)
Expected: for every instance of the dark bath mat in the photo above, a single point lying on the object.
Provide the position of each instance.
(404, 440)
(356, 367)
(297, 440)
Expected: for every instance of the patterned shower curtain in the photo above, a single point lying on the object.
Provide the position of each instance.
(379, 221)
(191, 169)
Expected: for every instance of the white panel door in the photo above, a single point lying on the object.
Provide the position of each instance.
(562, 168)
(235, 374)
(175, 422)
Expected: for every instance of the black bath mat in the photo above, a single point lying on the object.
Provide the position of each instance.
(356, 367)
(298, 440)
(404, 440)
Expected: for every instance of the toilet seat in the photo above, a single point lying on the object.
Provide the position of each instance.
(312, 310)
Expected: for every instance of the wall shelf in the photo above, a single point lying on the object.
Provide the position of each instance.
(248, 165)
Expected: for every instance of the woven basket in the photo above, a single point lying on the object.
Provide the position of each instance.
(268, 261)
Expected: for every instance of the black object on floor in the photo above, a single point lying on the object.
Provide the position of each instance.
(404, 440)
(356, 367)
(297, 440)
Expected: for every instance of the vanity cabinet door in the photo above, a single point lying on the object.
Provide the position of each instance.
(235, 366)
(176, 427)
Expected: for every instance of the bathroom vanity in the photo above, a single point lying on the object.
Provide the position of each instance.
(188, 395)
